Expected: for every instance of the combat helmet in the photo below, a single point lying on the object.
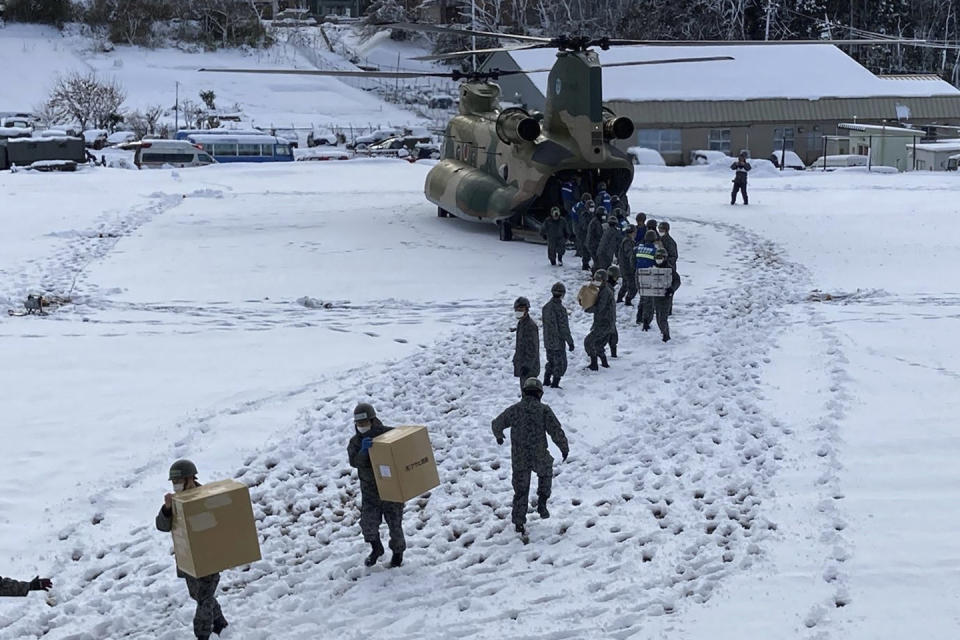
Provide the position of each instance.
(182, 469)
(613, 272)
(600, 275)
(558, 289)
(364, 411)
(555, 211)
(533, 385)
(521, 303)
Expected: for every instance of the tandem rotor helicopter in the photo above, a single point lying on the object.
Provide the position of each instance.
(506, 165)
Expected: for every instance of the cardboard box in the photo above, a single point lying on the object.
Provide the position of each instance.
(213, 528)
(654, 281)
(588, 295)
(403, 464)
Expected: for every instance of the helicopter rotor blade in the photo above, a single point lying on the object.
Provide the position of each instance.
(413, 26)
(338, 74)
(635, 63)
(461, 54)
(760, 43)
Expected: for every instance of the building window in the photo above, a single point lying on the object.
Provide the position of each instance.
(662, 140)
(719, 140)
(783, 136)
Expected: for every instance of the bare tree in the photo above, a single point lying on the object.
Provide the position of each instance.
(85, 98)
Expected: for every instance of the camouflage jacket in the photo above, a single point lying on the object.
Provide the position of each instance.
(625, 257)
(10, 587)
(360, 460)
(554, 231)
(529, 422)
(527, 354)
(604, 310)
(594, 234)
(556, 326)
(670, 246)
(609, 243)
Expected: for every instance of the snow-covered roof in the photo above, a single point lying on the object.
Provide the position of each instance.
(240, 139)
(756, 72)
(881, 129)
(949, 146)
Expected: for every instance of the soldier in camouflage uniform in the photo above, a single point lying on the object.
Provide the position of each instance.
(208, 616)
(556, 335)
(555, 231)
(609, 242)
(661, 304)
(578, 212)
(613, 274)
(628, 267)
(529, 422)
(670, 245)
(10, 587)
(587, 215)
(373, 510)
(595, 234)
(604, 321)
(526, 356)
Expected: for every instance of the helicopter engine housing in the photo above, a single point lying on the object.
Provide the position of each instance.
(617, 128)
(515, 126)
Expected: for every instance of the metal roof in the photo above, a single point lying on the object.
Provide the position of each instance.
(878, 128)
(692, 113)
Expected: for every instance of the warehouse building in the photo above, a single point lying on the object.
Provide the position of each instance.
(765, 99)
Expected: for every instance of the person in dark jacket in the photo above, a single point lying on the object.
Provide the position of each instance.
(609, 242)
(578, 216)
(661, 304)
(644, 254)
(10, 587)
(626, 257)
(587, 216)
(555, 231)
(613, 275)
(556, 335)
(208, 617)
(595, 234)
(604, 321)
(526, 356)
(530, 421)
(641, 227)
(651, 225)
(373, 510)
(670, 246)
(741, 167)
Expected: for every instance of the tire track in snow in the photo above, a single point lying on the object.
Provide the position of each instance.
(645, 521)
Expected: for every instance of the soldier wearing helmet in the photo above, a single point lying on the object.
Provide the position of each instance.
(628, 267)
(662, 304)
(530, 421)
(609, 242)
(208, 617)
(586, 216)
(526, 355)
(613, 275)
(373, 510)
(556, 335)
(604, 321)
(555, 232)
(595, 234)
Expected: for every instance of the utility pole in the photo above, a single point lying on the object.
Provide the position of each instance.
(176, 110)
(766, 31)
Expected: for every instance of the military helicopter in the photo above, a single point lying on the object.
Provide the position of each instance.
(506, 165)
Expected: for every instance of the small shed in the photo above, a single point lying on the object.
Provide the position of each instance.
(884, 145)
(933, 156)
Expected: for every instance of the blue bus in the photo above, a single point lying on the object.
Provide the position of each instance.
(244, 148)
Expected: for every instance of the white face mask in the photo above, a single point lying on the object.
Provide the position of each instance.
(519, 314)
(363, 429)
(179, 486)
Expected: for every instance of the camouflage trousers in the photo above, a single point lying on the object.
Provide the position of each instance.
(613, 339)
(595, 342)
(556, 363)
(628, 290)
(373, 511)
(204, 592)
(661, 307)
(521, 488)
(555, 250)
(645, 310)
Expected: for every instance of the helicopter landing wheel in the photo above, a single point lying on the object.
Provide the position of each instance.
(442, 213)
(506, 231)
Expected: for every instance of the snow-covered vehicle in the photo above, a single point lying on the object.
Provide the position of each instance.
(787, 160)
(706, 156)
(318, 137)
(374, 137)
(121, 137)
(290, 135)
(839, 161)
(95, 138)
(156, 154)
(646, 156)
(440, 101)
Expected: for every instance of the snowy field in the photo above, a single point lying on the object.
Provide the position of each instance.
(780, 469)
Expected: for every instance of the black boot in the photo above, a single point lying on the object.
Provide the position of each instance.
(376, 550)
(613, 351)
(603, 361)
(666, 337)
(555, 383)
(560, 260)
(646, 326)
(628, 303)
(219, 626)
(396, 559)
(620, 296)
(593, 364)
(542, 508)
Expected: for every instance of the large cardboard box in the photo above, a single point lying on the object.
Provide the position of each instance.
(213, 528)
(654, 281)
(403, 463)
(588, 295)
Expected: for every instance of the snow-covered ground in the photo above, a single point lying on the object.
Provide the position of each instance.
(37, 54)
(780, 469)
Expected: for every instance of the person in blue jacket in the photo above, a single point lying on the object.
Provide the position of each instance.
(645, 258)
(603, 198)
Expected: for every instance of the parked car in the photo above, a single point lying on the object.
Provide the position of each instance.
(95, 138)
(440, 101)
(645, 156)
(706, 156)
(790, 160)
(155, 154)
(375, 137)
(837, 161)
(289, 135)
(319, 137)
(121, 137)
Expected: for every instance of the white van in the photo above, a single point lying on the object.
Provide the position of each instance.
(154, 154)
